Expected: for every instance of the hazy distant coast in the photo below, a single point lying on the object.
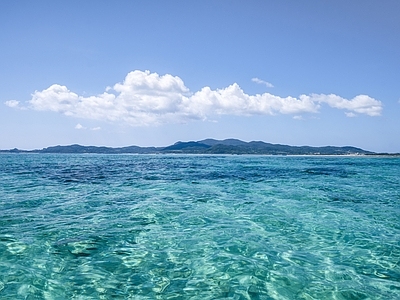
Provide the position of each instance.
(208, 146)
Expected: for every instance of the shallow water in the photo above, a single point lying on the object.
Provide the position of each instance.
(199, 227)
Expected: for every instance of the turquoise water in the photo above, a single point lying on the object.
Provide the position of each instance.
(199, 227)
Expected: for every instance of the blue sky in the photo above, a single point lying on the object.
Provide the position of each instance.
(121, 73)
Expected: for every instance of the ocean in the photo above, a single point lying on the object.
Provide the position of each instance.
(199, 227)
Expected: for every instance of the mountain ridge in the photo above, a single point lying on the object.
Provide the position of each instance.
(208, 146)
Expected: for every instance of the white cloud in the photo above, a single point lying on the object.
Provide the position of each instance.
(260, 81)
(79, 126)
(12, 103)
(361, 104)
(233, 101)
(145, 98)
(350, 114)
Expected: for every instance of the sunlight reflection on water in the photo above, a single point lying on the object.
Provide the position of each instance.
(199, 227)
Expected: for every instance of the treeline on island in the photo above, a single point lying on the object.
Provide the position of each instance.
(208, 146)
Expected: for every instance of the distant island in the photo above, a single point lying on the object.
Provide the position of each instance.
(208, 146)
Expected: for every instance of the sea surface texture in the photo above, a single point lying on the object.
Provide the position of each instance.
(199, 227)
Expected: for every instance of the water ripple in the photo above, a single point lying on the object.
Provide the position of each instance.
(199, 227)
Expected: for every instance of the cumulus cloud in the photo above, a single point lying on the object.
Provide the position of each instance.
(361, 104)
(79, 126)
(146, 98)
(260, 81)
(12, 103)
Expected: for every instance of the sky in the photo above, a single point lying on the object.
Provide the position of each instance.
(151, 73)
